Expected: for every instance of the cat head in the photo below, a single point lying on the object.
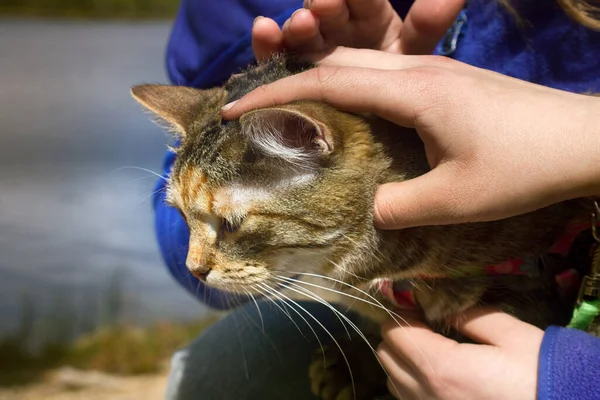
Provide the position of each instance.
(279, 192)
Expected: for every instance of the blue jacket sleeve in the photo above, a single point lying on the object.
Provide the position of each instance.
(569, 365)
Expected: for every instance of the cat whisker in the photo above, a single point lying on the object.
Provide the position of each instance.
(319, 299)
(377, 302)
(140, 169)
(392, 314)
(145, 198)
(326, 331)
(291, 280)
(262, 321)
(280, 298)
(345, 270)
(274, 293)
(250, 320)
(266, 294)
(378, 305)
(286, 279)
(237, 329)
(138, 179)
(416, 285)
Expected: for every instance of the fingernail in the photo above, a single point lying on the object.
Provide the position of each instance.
(256, 19)
(228, 106)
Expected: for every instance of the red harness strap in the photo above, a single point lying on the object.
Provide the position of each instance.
(401, 293)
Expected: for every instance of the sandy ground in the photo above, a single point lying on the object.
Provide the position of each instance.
(68, 384)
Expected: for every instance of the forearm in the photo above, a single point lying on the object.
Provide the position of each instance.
(587, 167)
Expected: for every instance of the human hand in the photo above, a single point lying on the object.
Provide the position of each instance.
(422, 364)
(497, 146)
(374, 24)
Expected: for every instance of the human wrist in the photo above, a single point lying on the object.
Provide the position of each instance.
(586, 163)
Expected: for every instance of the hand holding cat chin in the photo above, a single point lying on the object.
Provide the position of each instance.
(497, 146)
(424, 365)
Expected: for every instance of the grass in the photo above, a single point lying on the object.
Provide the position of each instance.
(129, 350)
(118, 349)
(100, 9)
(93, 337)
(19, 366)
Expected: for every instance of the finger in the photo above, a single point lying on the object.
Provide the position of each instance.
(417, 345)
(367, 58)
(366, 9)
(301, 32)
(426, 24)
(398, 96)
(330, 9)
(333, 14)
(431, 199)
(267, 38)
(493, 327)
(403, 377)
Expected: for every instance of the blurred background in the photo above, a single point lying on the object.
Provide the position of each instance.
(87, 307)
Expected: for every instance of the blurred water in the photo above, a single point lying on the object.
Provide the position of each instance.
(69, 215)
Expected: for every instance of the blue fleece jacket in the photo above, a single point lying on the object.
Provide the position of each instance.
(210, 40)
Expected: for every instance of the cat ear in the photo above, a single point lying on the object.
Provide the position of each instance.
(288, 133)
(179, 106)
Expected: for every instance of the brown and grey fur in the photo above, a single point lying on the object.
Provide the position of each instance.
(290, 189)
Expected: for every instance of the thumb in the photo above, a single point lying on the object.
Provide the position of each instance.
(430, 199)
(493, 327)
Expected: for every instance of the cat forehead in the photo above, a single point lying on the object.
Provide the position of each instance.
(192, 189)
(238, 200)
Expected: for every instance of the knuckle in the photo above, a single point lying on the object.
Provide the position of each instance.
(383, 215)
(428, 80)
(449, 203)
(428, 77)
(260, 96)
(440, 380)
(432, 85)
(324, 78)
(459, 205)
(262, 93)
(325, 74)
(262, 90)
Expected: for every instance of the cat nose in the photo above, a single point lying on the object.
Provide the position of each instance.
(200, 272)
(199, 269)
(201, 275)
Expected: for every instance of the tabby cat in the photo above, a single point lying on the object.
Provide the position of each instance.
(288, 190)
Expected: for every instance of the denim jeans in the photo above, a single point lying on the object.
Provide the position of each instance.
(253, 356)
